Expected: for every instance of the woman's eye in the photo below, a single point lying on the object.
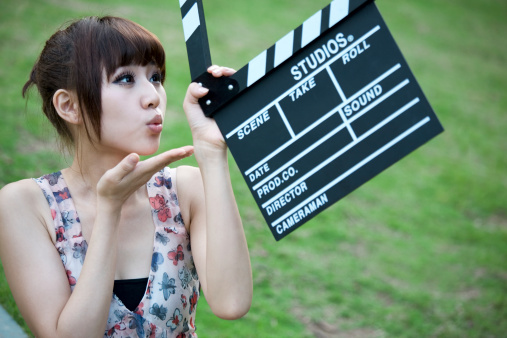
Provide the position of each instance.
(157, 77)
(124, 79)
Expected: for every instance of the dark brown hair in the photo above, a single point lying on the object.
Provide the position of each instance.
(75, 58)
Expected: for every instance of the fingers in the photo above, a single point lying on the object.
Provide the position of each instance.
(122, 169)
(157, 163)
(218, 71)
(113, 177)
(143, 170)
(128, 163)
(118, 183)
(191, 101)
(149, 167)
(196, 91)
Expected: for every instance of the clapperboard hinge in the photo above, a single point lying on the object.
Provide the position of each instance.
(223, 90)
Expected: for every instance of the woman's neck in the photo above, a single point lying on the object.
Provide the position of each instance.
(87, 168)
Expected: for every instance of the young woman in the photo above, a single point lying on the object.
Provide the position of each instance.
(115, 246)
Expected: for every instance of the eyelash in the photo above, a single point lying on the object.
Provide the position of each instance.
(123, 75)
(119, 78)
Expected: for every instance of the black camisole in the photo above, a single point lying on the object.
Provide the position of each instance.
(130, 291)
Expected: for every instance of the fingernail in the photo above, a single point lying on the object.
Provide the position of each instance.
(132, 159)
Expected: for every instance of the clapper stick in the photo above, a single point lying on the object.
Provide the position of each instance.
(221, 91)
(196, 37)
(329, 106)
(199, 58)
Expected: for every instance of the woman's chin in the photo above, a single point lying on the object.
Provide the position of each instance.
(148, 151)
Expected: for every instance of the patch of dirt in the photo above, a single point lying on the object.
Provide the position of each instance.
(323, 329)
(5, 159)
(250, 217)
(358, 250)
(470, 294)
(326, 330)
(494, 222)
(499, 219)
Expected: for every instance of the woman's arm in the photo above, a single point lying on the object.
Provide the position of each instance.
(33, 267)
(218, 241)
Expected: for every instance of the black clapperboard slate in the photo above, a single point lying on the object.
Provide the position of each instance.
(329, 106)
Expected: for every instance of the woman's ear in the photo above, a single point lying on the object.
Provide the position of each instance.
(66, 106)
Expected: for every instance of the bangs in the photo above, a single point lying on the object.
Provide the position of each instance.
(105, 44)
(125, 43)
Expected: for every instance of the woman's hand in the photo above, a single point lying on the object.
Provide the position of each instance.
(208, 206)
(204, 130)
(118, 183)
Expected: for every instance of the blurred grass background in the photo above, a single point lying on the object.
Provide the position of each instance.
(419, 251)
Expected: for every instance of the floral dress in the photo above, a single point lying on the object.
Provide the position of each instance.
(168, 306)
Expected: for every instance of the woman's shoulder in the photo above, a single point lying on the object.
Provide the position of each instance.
(186, 173)
(15, 192)
(22, 201)
(187, 179)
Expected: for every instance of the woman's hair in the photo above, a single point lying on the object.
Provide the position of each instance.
(75, 59)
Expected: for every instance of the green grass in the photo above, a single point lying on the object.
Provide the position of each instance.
(419, 251)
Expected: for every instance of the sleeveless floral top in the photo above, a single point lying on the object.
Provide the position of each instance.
(169, 303)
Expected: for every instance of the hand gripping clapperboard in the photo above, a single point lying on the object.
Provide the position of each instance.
(326, 108)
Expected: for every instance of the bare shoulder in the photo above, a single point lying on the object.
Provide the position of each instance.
(186, 173)
(15, 193)
(23, 204)
(188, 181)
(20, 193)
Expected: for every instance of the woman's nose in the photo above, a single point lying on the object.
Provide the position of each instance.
(150, 96)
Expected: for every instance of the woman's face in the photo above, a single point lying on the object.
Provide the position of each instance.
(133, 109)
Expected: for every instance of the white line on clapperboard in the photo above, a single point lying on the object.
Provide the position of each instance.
(354, 168)
(325, 117)
(344, 99)
(284, 118)
(343, 150)
(336, 130)
(316, 71)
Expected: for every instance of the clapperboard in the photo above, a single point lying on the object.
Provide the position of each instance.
(326, 108)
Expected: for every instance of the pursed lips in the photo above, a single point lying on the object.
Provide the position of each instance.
(155, 124)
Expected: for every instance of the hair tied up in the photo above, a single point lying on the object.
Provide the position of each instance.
(75, 58)
(31, 81)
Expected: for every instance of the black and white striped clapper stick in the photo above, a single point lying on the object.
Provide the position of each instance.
(326, 108)
(196, 37)
(199, 57)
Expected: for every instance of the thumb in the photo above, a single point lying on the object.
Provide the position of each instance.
(115, 175)
(195, 92)
(127, 165)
